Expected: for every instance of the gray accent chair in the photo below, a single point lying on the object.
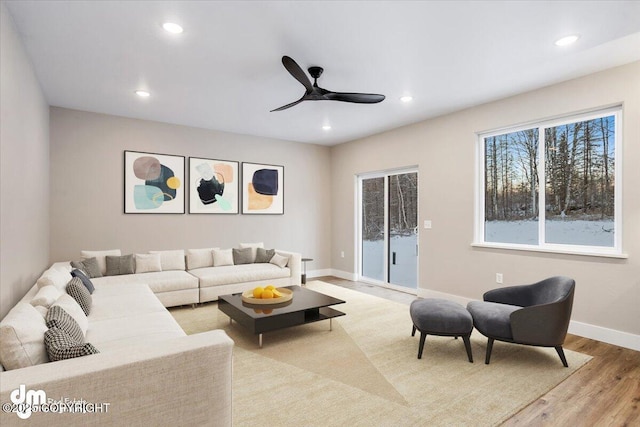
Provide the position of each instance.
(536, 314)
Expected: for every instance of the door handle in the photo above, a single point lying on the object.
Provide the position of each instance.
(393, 257)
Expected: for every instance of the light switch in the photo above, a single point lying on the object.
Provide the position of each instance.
(427, 223)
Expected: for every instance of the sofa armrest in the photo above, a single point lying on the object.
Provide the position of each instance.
(294, 264)
(181, 380)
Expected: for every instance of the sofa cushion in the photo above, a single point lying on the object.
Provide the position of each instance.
(117, 265)
(46, 296)
(54, 277)
(199, 258)
(264, 255)
(222, 257)
(100, 257)
(21, 333)
(171, 260)
(58, 318)
(70, 305)
(85, 280)
(61, 346)
(89, 266)
(243, 256)
(279, 260)
(148, 263)
(81, 294)
(214, 276)
(161, 281)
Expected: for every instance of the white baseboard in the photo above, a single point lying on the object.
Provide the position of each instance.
(319, 273)
(341, 274)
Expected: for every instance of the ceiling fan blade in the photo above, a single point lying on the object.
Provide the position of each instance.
(294, 69)
(284, 107)
(360, 98)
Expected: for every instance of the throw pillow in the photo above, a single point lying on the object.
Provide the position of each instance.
(118, 265)
(100, 257)
(60, 346)
(200, 258)
(85, 280)
(242, 256)
(78, 265)
(58, 318)
(264, 255)
(254, 247)
(70, 305)
(21, 333)
(46, 296)
(222, 257)
(77, 290)
(148, 263)
(171, 260)
(90, 265)
(279, 260)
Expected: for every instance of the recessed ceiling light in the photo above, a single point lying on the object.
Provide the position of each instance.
(406, 98)
(326, 127)
(143, 93)
(172, 28)
(564, 41)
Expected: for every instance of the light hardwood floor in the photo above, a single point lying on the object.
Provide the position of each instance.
(604, 392)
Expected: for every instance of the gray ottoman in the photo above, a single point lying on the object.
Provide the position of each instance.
(435, 316)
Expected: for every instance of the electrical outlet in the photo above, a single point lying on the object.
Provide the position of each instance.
(342, 254)
(499, 278)
(427, 223)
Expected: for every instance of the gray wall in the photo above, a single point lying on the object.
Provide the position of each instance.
(87, 189)
(608, 290)
(24, 183)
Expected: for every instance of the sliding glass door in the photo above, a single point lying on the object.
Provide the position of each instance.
(388, 219)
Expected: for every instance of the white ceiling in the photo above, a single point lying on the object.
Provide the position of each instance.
(225, 72)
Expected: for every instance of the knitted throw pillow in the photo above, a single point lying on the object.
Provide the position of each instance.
(58, 318)
(60, 346)
(81, 294)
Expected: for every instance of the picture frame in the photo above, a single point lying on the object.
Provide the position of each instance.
(153, 183)
(262, 189)
(214, 186)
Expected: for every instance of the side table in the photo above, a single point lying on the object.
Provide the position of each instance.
(304, 270)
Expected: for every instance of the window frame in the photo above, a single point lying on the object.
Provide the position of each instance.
(614, 251)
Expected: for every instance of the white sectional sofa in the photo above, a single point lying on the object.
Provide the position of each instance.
(147, 371)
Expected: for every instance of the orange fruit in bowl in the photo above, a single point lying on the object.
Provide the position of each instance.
(276, 293)
(257, 292)
(270, 287)
(267, 294)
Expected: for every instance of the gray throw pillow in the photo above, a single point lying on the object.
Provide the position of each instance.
(117, 265)
(60, 346)
(81, 294)
(242, 256)
(264, 255)
(90, 265)
(58, 318)
(85, 280)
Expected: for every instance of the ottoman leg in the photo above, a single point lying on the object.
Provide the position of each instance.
(423, 337)
(467, 345)
(413, 331)
(489, 349)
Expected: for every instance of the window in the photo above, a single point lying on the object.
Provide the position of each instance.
(552, 186)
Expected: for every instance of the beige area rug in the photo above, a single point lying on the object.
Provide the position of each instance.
(366, 372)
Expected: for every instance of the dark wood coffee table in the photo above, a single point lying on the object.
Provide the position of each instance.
(306, 306)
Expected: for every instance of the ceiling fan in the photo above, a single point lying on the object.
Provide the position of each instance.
(316, 93)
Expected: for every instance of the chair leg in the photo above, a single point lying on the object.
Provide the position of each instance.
(467, 345)
(561, 354)
(413, 331)
(489, 348)
(423, 337)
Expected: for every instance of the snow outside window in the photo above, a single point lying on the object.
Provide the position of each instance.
(552, 186)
